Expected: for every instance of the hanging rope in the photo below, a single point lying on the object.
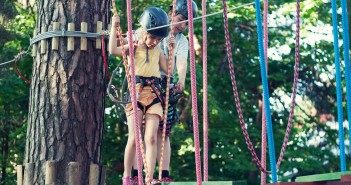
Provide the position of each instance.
(338, 88)
(346, 44)
(140, 152)
(194, 94)
(165, 114)
(205, 87)
(235, 90)
(296, 78)
(17, 58)
(104, 56)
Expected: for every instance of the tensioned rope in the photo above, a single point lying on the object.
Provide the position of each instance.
(263, 72)
(263, 122)
(345, 37)
(165, 113)
(64, 33)
(194, 93)
(338, 87)
(205, 89)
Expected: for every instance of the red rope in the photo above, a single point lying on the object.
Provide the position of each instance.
(104, 56)
(20, 74)
(205, 95)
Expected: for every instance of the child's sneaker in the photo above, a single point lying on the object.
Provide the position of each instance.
(155, 181)
(126, 181)
(135, 180)
(166, 179)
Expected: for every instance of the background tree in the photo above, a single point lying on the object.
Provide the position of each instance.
(314, 132)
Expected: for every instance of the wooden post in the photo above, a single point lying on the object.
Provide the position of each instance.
(70, 40)
(98, 30)
(103, 175)
(34, 48)
(50, 172)
(55, 40)
(83, 40)
(109, 29)
(94, 174)
(19, 170)
(73, 173)
(43, 42)
(28, 173)
(25, 4)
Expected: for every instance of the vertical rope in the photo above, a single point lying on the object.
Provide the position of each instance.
(338, 88)
(205, 95)
(346, 44)
(264, 133)
(165, 114)
(194, 93)
(265, 93)
(132, 88)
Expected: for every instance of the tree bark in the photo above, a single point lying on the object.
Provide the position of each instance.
(66, 109)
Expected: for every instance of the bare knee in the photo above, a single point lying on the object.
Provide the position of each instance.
(151, 140)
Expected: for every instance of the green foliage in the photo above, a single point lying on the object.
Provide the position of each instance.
(14, 94)
(313, 145)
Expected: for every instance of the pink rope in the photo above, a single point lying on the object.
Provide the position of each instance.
(205, 95)
(165, 113)
(296, 78)
(235, 91)
(236, 95)
(133, 92)
(264, 131)
(193, 93)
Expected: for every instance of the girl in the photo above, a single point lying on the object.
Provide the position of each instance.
(149, 60)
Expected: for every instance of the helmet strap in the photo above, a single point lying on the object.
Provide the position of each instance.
(147, 49)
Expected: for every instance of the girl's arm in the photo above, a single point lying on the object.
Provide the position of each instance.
(112, 44)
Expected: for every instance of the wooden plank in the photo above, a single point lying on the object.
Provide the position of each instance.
(28, 173)
(94, 174)
(241, 182)
(55, 40)
(50, 172)
(322, 177)
(73, 173)
(19, 170)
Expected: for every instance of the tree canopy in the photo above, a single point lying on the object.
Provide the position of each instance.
(313, 147)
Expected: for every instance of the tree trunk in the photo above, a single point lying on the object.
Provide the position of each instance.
(66, 109)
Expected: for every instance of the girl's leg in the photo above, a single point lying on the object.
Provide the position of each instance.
(129, 152)
(152, 121)
(166, 151)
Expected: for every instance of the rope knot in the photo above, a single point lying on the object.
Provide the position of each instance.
(105, 33)
(20, 55)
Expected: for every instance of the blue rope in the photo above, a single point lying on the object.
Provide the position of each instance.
(346, 44)
(338, 88)
(266, 93)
